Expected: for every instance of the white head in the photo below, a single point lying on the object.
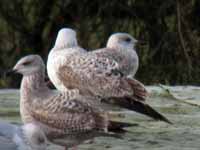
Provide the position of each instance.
(66, 38)
(29, 65)
(121, 40)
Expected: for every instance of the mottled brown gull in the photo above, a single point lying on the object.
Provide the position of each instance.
(99, 76)
(66, 42)
(121, 48)
(26, 137)
(66, 118)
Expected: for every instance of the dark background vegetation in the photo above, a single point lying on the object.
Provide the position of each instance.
(170, 31)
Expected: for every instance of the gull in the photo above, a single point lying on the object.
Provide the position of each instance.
(121, 48)
(66, 119)
(25, 137)
(66, 42)
(100, 76)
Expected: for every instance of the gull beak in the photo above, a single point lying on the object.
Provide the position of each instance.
(10, 72)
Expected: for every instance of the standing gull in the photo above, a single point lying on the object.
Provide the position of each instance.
(67, 119)
(26, 137)
(121, 48)
(98, 76)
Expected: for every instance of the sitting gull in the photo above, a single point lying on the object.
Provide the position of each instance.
(67, 119)
(121, 48)
(72, 47)
(26, 137)
(97, 75)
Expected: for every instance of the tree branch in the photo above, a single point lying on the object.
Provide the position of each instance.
(182, 42)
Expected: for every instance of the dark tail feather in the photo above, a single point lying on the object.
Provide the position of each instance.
(139, 107)
(145, 109)
(113, 128)
(118, 127)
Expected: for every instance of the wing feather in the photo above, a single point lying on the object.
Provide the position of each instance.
(70, 115)
(96, 75)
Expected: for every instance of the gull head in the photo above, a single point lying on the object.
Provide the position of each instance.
(121, 40)
(29, 65)
(66, 38)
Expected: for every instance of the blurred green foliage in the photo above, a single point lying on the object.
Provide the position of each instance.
(169, 31)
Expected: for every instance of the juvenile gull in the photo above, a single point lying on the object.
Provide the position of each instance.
(66, 41)
(121, 48)
(100, 76)
(26, 137)
(119, 54)
(66, 118)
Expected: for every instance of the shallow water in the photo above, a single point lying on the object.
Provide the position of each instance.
(184, 134)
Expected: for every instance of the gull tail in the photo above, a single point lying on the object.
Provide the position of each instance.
(139, 107)
(106, 124)
(118, 127)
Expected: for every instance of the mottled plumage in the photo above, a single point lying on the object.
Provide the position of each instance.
(100, 76)
(66, 41)
(85, 72)
(121, 48)
(66, 118)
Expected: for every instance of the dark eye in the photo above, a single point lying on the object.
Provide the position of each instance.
(26, 63)
(127, 39)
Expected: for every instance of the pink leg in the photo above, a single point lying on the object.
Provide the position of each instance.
(66, 148)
